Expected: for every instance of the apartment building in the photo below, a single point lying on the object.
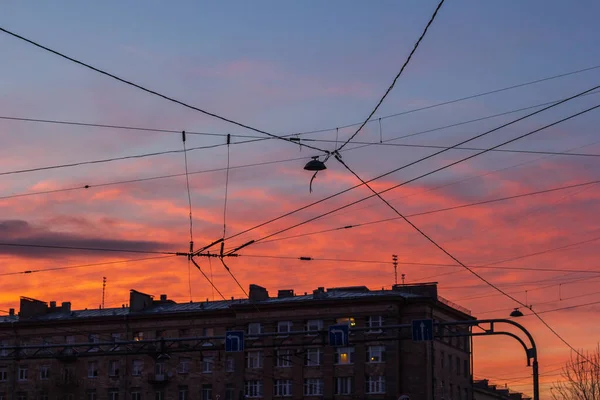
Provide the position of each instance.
(157, 349)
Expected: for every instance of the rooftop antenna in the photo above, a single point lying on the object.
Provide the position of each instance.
(395, 262)
(103, 289)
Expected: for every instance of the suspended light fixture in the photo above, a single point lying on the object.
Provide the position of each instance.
(315, 165)
(516, 313)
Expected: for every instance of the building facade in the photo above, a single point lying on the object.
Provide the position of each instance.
(483, 390)
(161, 350)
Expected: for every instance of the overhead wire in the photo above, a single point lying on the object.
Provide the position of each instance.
(189, 196)
(406, 166)
(389, 89)
(103, 249)
(153, 92)
(226, 190)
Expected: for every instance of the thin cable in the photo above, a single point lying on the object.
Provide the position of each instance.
(405, 182)
(415, 162)
(32, 271)
(457, 260)
(226, 190)
(190, 279)
(171, 99)
(147, 179)
(207, 278)
(462, 99)
(211, 274)
(234, 278)
(189, 196)
(397, 76)
(44, 246)
(436, 211)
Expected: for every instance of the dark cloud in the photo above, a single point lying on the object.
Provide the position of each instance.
(19, 238)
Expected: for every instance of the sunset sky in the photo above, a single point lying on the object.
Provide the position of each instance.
(295, 67)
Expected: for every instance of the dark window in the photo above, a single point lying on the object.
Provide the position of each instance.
(229, 392)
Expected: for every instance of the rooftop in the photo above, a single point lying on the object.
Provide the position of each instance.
(144, 304)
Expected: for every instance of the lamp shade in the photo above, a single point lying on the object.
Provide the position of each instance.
(315, 165)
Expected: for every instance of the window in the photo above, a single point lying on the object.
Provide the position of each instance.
(283, 358)
(209, 332)
(159, 368)
(21, 396)
(343, 385)
(313, 357)
(252, 388)
(229, 364)
(69, 340)
(458, 366)
(206, 392)
(68, 375)
(90, 394)
(449, 362)
(92, 369)
(159, 395)
(208, 363)
(466, 368)
(93, 338)
(183, 393)
(443, 359)
(3, 374)
(113, 394)
(283, 387)
(346, 320)
(375, 384)
(113, 368)
(376, 354)
(313, 387)
(137, 367)
(344, 355)
(23, 372)
(254, 359)
(44, 372)
(136, 394)
(229, 392)
(115, 338)
(375, 322)
(255, 328)
(184, 365)
(3, 350)
(314, 325)
(284, 326)
(138, 336)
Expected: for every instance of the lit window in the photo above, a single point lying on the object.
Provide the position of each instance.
(376, 354)
(314, 325)
(344, 355)
(283, 387)
(376, 384)
(313, 387)
(138, 336)
(284, 358)
(255, 328)
(313, 357)
(253, 388)
(346, 320)
(343, 385)
(254, 359)
(284, 327)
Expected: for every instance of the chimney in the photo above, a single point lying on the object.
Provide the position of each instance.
(11, 311)
(52, 305)
(139, 301)
(319, 293)
(66, 306)
(285, 293)
(163, 297)
(258, 293)
(29, 307)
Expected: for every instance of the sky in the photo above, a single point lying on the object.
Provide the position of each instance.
(290, 68)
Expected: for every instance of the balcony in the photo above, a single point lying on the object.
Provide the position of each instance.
(158, 379)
